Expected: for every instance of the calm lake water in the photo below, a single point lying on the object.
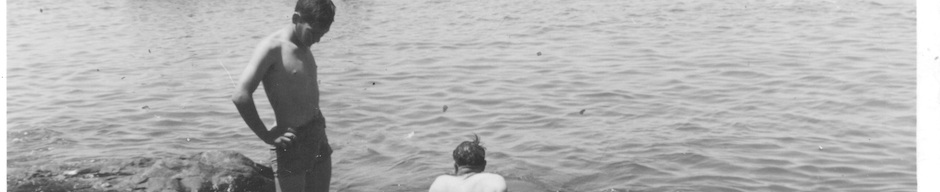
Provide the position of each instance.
(719, 95)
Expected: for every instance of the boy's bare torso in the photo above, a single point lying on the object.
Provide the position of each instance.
(291, 81)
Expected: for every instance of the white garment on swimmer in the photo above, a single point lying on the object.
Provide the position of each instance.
(474, 182)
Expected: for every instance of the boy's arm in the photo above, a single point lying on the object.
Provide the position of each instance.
(258, 65)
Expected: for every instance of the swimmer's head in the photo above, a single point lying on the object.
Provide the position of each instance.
(470, 154)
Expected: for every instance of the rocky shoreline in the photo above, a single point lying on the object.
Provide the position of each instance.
(204, 171)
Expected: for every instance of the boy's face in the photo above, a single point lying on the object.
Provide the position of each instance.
(311, 33)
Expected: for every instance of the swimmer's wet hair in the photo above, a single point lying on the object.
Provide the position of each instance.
(470, 153)
(320, 12)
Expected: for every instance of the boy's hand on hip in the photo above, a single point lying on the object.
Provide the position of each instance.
(282, 137)
(285, 141)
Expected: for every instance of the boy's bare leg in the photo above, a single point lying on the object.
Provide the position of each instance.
(319, 178)
(290, 182)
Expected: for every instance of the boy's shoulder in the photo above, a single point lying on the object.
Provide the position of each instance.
(273, 40)
(276, 40)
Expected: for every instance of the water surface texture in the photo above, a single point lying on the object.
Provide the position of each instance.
(594, 95)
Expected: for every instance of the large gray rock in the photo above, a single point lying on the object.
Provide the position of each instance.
(205, 171)
(93, 175)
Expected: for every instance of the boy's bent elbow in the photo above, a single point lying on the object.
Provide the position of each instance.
(240, 98)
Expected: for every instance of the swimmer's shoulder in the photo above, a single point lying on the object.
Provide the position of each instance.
(489, 176)
(443, 183)
(492, 182)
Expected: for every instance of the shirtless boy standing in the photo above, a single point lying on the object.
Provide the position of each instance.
(469, 162)
(284, 63)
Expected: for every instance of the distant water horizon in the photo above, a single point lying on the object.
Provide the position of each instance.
(597, 95)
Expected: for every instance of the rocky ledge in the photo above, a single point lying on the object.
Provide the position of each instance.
(205, 171)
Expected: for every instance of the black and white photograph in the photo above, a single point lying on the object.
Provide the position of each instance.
(468, 95)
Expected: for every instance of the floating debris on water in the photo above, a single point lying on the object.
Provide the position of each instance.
(145, 107)
(582, 111)
(40, 10)
(148, 51)
(820, 148)
(86, 172)
(122, 78)
(412, 134)
(373, 83)
(445, 108)
(538, 54)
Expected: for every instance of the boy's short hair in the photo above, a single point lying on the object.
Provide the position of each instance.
(319, 12)
(470, 153)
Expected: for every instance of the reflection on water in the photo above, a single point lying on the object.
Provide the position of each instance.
(640, 95)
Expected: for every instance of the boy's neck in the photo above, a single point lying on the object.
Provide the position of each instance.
(295, 36)
(463, 170)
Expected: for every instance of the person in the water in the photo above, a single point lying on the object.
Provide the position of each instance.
(469, 162)
(282, 61)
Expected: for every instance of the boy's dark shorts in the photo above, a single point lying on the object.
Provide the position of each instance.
(309, 148)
